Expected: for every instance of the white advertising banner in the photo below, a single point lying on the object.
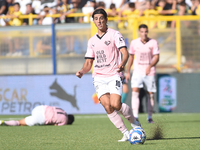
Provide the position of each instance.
(20, 94)
(167, 93)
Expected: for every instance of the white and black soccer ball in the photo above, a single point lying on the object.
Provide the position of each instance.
(137, 136)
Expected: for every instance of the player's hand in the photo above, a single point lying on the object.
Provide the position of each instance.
(148, 70)
(79, 74)
(121, 68)
(128, 76)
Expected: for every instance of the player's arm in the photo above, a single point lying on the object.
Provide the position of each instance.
(155, 60)
(130, 63)
(3, 8)
(125, 56)
(86, 67)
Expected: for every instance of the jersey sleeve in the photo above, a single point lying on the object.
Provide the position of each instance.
(119, 40)
(90, 52)
(131, 49)
(155, 48)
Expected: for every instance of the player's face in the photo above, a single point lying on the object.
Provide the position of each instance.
(100, 21)
(143, 33)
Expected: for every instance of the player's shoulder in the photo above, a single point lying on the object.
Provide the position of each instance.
(113, 31)
(135, 40)
(154, 41)
(92, 38)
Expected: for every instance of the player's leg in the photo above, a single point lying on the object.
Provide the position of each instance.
(151, 88)
(135, 102)
(115, 89)
(10, 123)
(136, 84)
(150, 107)
(114, 116)
(103, 93)
(37, 117)
(124, 93)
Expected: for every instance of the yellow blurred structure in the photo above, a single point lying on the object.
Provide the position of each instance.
(151, 17)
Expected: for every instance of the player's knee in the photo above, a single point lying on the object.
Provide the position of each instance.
(151, 96)
(137, 90)
(108, 109)
(116, 106)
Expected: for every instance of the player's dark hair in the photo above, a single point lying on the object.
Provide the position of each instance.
(70, 119)
(143, 26)
(17, 4)
(131, 5)
(100, 11)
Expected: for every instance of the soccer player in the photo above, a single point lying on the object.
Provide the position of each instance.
(43, 115)
(105, 49)
(146, 54)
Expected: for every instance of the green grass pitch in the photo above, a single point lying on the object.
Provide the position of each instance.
(96, 132)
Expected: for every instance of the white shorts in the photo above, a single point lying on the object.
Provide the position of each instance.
(37, 117)
(112, 85)
(140, 80)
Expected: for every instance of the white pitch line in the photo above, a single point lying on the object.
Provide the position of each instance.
(77, 117)
(105, 116)
(89, 117)
(5, 119)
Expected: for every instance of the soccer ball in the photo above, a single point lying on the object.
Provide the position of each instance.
(137, 136)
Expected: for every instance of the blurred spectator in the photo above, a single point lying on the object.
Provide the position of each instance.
(147, 8)
(119, 3)
(3, 7)
(29, 10)
(13, 19)
(105, 2)
(64, 11)
(91, 3)
(168, 7)
(101, 4)
(149, 12)
(131, 12)
(194, 8)
(189, 3)
(182, 7)
(43, 17)
(23, 5)
(197, 3)
(3, 11)
(36, 6)
(139, 4)
(89, 7)
(49, 3)
(10, 6)
(112, 12)
(76, 9)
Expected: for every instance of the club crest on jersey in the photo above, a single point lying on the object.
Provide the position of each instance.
(107, 42)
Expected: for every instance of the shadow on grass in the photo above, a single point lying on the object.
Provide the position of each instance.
(180, 138)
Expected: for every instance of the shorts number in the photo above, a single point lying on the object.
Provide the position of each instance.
(117, 83)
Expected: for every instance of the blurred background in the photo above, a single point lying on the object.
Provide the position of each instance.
(43, 43)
